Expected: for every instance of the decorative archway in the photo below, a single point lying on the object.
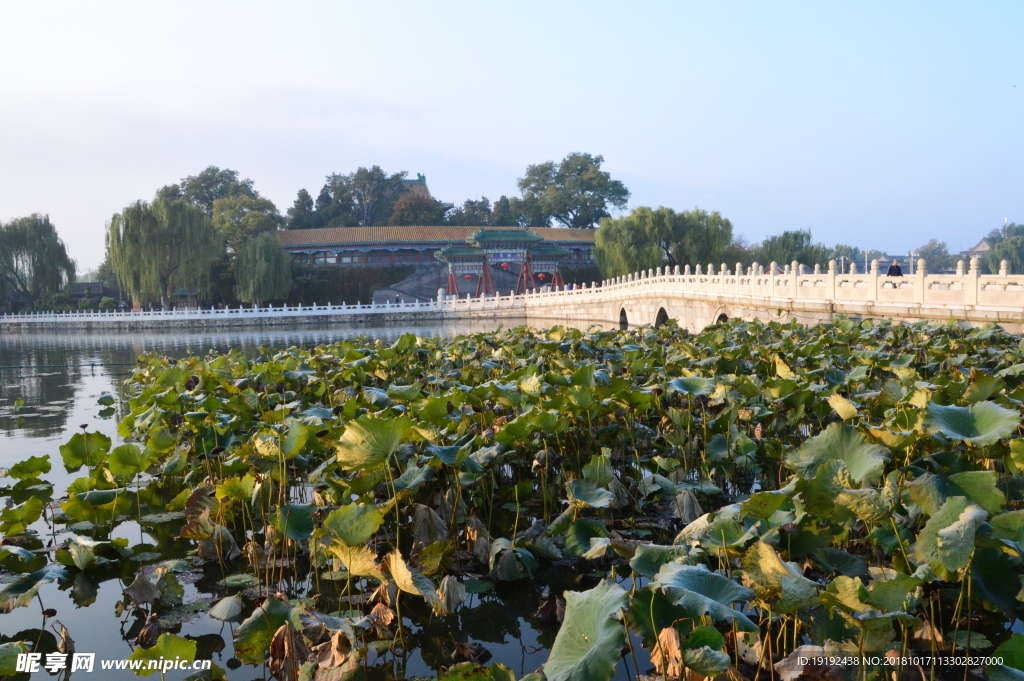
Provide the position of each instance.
(623, 320)
(661, 318)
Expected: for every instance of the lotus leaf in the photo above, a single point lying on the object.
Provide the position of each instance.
(253, 636)
(699, 591)
(88, 449)
(983, 423)
(353, 524)
(841, 443)
(588, 643)
(947, 540)
(368, 442)
(168, 647)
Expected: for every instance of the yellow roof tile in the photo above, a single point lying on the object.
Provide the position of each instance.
(387, 234)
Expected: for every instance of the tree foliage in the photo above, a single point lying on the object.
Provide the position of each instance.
(789, 246)
(207, 187)
(365, 197)
(1012, 251)
(241, 218)
(648, 238)
(156, 248)
(374, 193)
(417, 209)
(34, 262)
(262, 270)
(471, 213)
(574, 192)
(937, 257)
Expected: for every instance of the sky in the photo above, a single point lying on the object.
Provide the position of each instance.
(876, 124)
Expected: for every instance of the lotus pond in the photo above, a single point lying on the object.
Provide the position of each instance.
(549, 504)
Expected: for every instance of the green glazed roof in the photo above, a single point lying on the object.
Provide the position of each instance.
(504, 236)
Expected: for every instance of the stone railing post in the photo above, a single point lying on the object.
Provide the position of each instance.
(959, 268)
(973, 282)
(676, 271)
(686, 270)
(739, 276)
(1004, 268)
(771, 276)
(873, 282)
(794, 269)
(830, 281)
(919, 281)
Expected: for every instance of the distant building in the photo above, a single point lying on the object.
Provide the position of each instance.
(390, 245)
(980, 250)
(417, 186)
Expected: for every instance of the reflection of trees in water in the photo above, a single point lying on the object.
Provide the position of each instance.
(56, 364)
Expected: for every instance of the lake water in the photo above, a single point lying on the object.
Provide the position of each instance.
(59, 378)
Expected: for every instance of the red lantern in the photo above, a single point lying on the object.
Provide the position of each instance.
(468, 277)
(504, 265)
(542, 276)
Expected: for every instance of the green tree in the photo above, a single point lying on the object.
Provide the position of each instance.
(207, 187)
(334, 205)
(502, 214)
(413, 208)
(241, 218)
(649, 238)
(471, 213)
(638, 241)
(575, 192)
(374, 193)
(155, 248)
(936, 256)
(1009, 249)
(34, 261)
(262, 270)
(791, 245)
(302, 214)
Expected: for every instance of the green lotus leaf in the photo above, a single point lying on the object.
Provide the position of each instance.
(405, 393)
(947, 540)
(648, 558)
(471, 671)
(9, 657)
(129, 460)
(368, 442)
(17, 518)
(693, 385)
(22, 590)
(237, 488)
(295, 521)
(588, 643)
(353, 524)
(763, 504)
(168, 647)
(843, 443)
(228, 609)
(983, 423)
(599, 470)
(699, 592)
(87, 449)
(706, 662)
(253, 636)
(32, 467)
(1011, 652)
(890, 594)
(585, 494)
(580, 532)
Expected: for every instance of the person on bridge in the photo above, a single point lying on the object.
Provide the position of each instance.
(894, 269)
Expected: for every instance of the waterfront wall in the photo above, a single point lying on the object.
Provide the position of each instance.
(695, 299)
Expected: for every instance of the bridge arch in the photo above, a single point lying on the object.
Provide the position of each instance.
(722, 318)
(623, 319)
(661, 317)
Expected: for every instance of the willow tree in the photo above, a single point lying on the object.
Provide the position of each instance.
(34, 262)
(157, 248)
(263, 270)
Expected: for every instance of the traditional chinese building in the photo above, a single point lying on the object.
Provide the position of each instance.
(516, 249)
(417, 246)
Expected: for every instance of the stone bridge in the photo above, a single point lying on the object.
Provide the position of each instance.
(693, 298)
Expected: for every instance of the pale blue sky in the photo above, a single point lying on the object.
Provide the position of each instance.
(868, 123)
